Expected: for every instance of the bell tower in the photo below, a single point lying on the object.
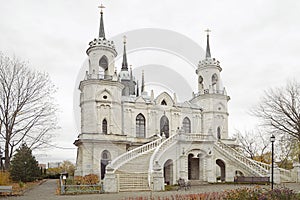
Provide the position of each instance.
(101, 53)
(212, 96)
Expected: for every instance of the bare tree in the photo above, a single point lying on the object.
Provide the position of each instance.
(254, 144)
(279, 111)
(27, 109)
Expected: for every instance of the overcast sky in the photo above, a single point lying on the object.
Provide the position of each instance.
(257, 43)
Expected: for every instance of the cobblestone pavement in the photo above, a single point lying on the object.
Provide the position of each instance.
(46, 191)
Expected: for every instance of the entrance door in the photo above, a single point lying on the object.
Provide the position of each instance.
(193, 168)
(164, 126)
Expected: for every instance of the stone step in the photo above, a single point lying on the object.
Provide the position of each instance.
(133, 182)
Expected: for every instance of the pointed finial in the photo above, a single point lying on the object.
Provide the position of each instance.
(101, 29)
(208, 55)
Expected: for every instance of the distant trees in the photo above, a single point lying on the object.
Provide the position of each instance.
(24, 166)
(279, 111)
(27, 109)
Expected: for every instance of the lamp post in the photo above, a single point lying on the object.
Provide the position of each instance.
(272, 139)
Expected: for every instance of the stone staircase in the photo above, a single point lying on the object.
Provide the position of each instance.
(131, 167)
(132, 175)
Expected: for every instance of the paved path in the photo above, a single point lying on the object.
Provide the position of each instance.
(46, 191)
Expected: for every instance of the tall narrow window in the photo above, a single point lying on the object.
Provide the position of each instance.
(140, 126)
(219, 133)
(186, 125)
(164, 126)
(104, 126)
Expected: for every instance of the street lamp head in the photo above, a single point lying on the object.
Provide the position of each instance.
(272, 138)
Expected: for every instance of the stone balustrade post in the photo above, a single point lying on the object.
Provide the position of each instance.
(158, 178)
(297, 171)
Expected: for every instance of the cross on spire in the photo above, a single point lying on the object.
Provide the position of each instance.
(207, 31)
(101, 7)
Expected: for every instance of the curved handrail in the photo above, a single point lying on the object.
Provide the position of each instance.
(260, 168)
(160, 148)
(118, 161)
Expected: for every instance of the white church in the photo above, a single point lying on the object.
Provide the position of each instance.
(137, 141)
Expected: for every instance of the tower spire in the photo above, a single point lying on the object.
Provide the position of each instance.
(137, 88)
(124, 63)
(101, 29)
(208, 55)
(143, 82)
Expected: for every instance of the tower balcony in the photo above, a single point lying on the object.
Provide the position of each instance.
(97, 77)
(210, 91)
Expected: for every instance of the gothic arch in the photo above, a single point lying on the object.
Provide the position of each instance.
(103, 62)
(140, 126)
(104, 126)
(186, 124)
(164, 97)
(164, 126)
(105, 158)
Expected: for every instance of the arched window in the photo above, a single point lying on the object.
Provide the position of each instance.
(104, 126)
(214, 79)
(140, 126)
(186, 124)
(219, 133)
(163, 103)
(103, 62)
(164, 126)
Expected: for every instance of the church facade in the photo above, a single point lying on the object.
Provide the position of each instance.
(137, 141)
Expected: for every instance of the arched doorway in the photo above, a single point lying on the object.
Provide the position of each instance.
(164, 126)
(193, 167)
(168, 172)
(221, 170)
(105, 158)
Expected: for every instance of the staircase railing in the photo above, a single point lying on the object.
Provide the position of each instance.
(260, 168)
(164, 145)
(123, 158)
(287, 175)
